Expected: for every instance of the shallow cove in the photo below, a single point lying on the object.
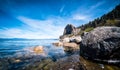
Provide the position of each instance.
(16, 55)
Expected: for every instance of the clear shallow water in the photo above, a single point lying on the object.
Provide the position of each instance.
(16, 55)
(15, 48)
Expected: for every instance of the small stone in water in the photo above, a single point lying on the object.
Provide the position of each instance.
(71, 69)
(17, 60)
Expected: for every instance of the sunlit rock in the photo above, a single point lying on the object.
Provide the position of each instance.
(17, 60)
(76, 39)
(38, 49)
(58, 44)
(66, 40)
(70, 46)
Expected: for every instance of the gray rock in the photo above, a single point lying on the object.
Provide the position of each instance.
(76, 39)
(102, 43)
(69, 31)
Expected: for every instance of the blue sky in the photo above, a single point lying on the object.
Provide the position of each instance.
(38, 19)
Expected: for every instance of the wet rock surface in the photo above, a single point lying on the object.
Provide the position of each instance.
(103, 43)
(90, 65)
(72, 62)
(66, 63)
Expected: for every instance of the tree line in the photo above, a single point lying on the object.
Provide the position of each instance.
(110, 19)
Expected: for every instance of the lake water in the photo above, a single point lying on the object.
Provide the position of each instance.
(17, 48)
(17, 55)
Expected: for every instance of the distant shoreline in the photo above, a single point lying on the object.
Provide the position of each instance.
(26, 39)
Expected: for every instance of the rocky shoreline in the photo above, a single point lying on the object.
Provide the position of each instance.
(94, 50)
(100, 45)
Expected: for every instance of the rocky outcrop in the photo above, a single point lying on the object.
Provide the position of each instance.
(66, 40)
(76, 39)
(57, 44)
(70, 30)
(103, 43)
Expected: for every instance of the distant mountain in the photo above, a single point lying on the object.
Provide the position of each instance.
(110, 19)
(12, 39)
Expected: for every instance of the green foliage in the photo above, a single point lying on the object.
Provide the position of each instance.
(113, 23)
(110, 19)
(89, 29)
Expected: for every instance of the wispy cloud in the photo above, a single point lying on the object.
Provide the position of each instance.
(55, 17)
(96, 5)
(62, 8)
(80, 17)
(34, 29)
(51, 27)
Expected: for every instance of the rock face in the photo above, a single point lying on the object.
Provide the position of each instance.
(70, 30)
(102, 43)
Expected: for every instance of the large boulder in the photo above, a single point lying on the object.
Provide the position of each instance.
(103, 43)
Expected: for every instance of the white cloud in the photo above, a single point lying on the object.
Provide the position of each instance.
(34, 29)
(51, 27)
(96, 5)
(80, 17)
(93, 7)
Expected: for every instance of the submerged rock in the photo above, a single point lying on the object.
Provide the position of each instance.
(38, 49)
(68, 63)
(102, 43)
(17, 61)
